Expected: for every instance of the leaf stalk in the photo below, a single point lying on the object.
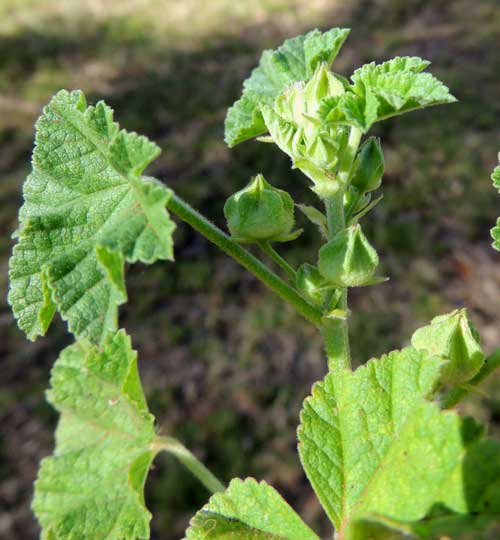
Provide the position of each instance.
(268, 249)
(190, 461)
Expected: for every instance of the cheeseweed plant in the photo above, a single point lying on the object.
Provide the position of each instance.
(385, 452)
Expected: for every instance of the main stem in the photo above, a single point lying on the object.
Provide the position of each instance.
(190, 461)
(193, 218)
(335, 332)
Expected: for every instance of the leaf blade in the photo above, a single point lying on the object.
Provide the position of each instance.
(93, 483)
(381, 91)
(295, 60)
(85, 191)
(248, 509)
(351, 419)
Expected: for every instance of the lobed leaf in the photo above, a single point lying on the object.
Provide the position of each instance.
(248, 510)
(351, 420)
(92, 487)
(295, 60)
(378, 453)
(379, 91)
(86, 211)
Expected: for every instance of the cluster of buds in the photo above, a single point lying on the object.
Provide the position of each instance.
(261, 213)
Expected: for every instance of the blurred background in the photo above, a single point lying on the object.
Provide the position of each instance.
(226, 365)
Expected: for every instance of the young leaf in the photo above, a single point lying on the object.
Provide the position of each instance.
(495, 232)
(372, 445)
(92, 487)
(293, 61)
(86, 211)
(379, 91)
(248, 509)
(351, 420)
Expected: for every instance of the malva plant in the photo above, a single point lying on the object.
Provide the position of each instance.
(385, 452)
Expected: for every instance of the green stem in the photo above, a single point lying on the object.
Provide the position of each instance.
(190, 461)
(457, 394)
(335, 331)
(268, 249)
(193, 218)
(350, 152)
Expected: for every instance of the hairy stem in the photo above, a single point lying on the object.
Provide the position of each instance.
(193, 218)
(190, 461)
(278, 259)
(457, 394)
(335, 331)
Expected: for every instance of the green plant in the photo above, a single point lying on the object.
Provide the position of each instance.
(385, 454)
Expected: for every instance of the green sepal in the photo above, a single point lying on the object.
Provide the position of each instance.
(453, 337)
(366, 204)
(260, 213)
(348, 260)
(312, 285)
(368, 167)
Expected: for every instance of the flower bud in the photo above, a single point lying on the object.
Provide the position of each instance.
(368, 167)
(260, 212)
(348, 260)
(311, 284)
(453, 337)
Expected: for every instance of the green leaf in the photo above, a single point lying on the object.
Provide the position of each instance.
(295, 60)
(495, 232)
(440, 480)
(376, 451)
(86, 211)
(92, 487)
(351, 420)
(248, 510)
(379, 91)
